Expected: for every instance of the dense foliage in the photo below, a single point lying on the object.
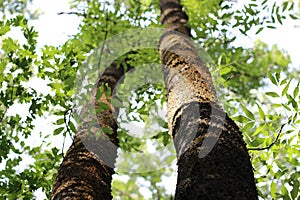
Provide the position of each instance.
(256, 86)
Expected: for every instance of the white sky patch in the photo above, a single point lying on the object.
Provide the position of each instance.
(286, 37)
(54, 29)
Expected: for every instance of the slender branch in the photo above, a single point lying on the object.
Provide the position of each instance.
(269, 146)
(67, 121)
(72, 13)
(68, 128)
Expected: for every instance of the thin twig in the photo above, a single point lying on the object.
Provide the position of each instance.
(67, 126)
(72, 13)
(65, 120)
(268, 147)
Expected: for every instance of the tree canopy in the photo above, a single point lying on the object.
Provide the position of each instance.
(258, 87)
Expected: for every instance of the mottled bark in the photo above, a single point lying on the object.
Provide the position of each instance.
(87, 169)
(213, 161)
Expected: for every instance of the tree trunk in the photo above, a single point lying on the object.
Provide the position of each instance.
(213, 161)
(87, 169)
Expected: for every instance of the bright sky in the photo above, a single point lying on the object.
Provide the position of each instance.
(54, 30)
(287, 38)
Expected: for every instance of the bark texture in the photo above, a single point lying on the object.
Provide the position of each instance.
(87, 169)
(213, 161)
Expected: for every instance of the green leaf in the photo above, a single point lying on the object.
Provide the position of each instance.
(285, 89)
(261, 112)
(273, 189)
(294, 104)
(285, 5)
(248, 112)
(162, 122)
(295, 190)
(72, 127)
(98, 94)
(293, 16)
(108, 90)
(292, 6)
(248, 126)
(102, 106)
(272, 94)
(259, 30)
(107, 130)
(259, 128)
(286, 107)
(57, 87)
(58, 130)
(9, 45)
(241, 119)
(279, 18)
(166, 138)
(60, 121)
(284, 191)
(225, 70)
(296, 90)
(277, 76)
(272, 78)
(4, 28)
(283, 82)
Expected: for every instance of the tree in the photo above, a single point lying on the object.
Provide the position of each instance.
(213, 162)
(87, 169)
(216, 26)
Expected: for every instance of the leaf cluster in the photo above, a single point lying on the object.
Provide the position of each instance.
(245, 76)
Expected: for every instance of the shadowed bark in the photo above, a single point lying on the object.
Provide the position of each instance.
(87, 169)
(213, 161)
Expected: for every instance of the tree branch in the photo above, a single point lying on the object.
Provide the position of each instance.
(72, 13)
(268, 147)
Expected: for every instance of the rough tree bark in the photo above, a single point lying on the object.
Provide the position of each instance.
(86, 172)
(213, 161)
